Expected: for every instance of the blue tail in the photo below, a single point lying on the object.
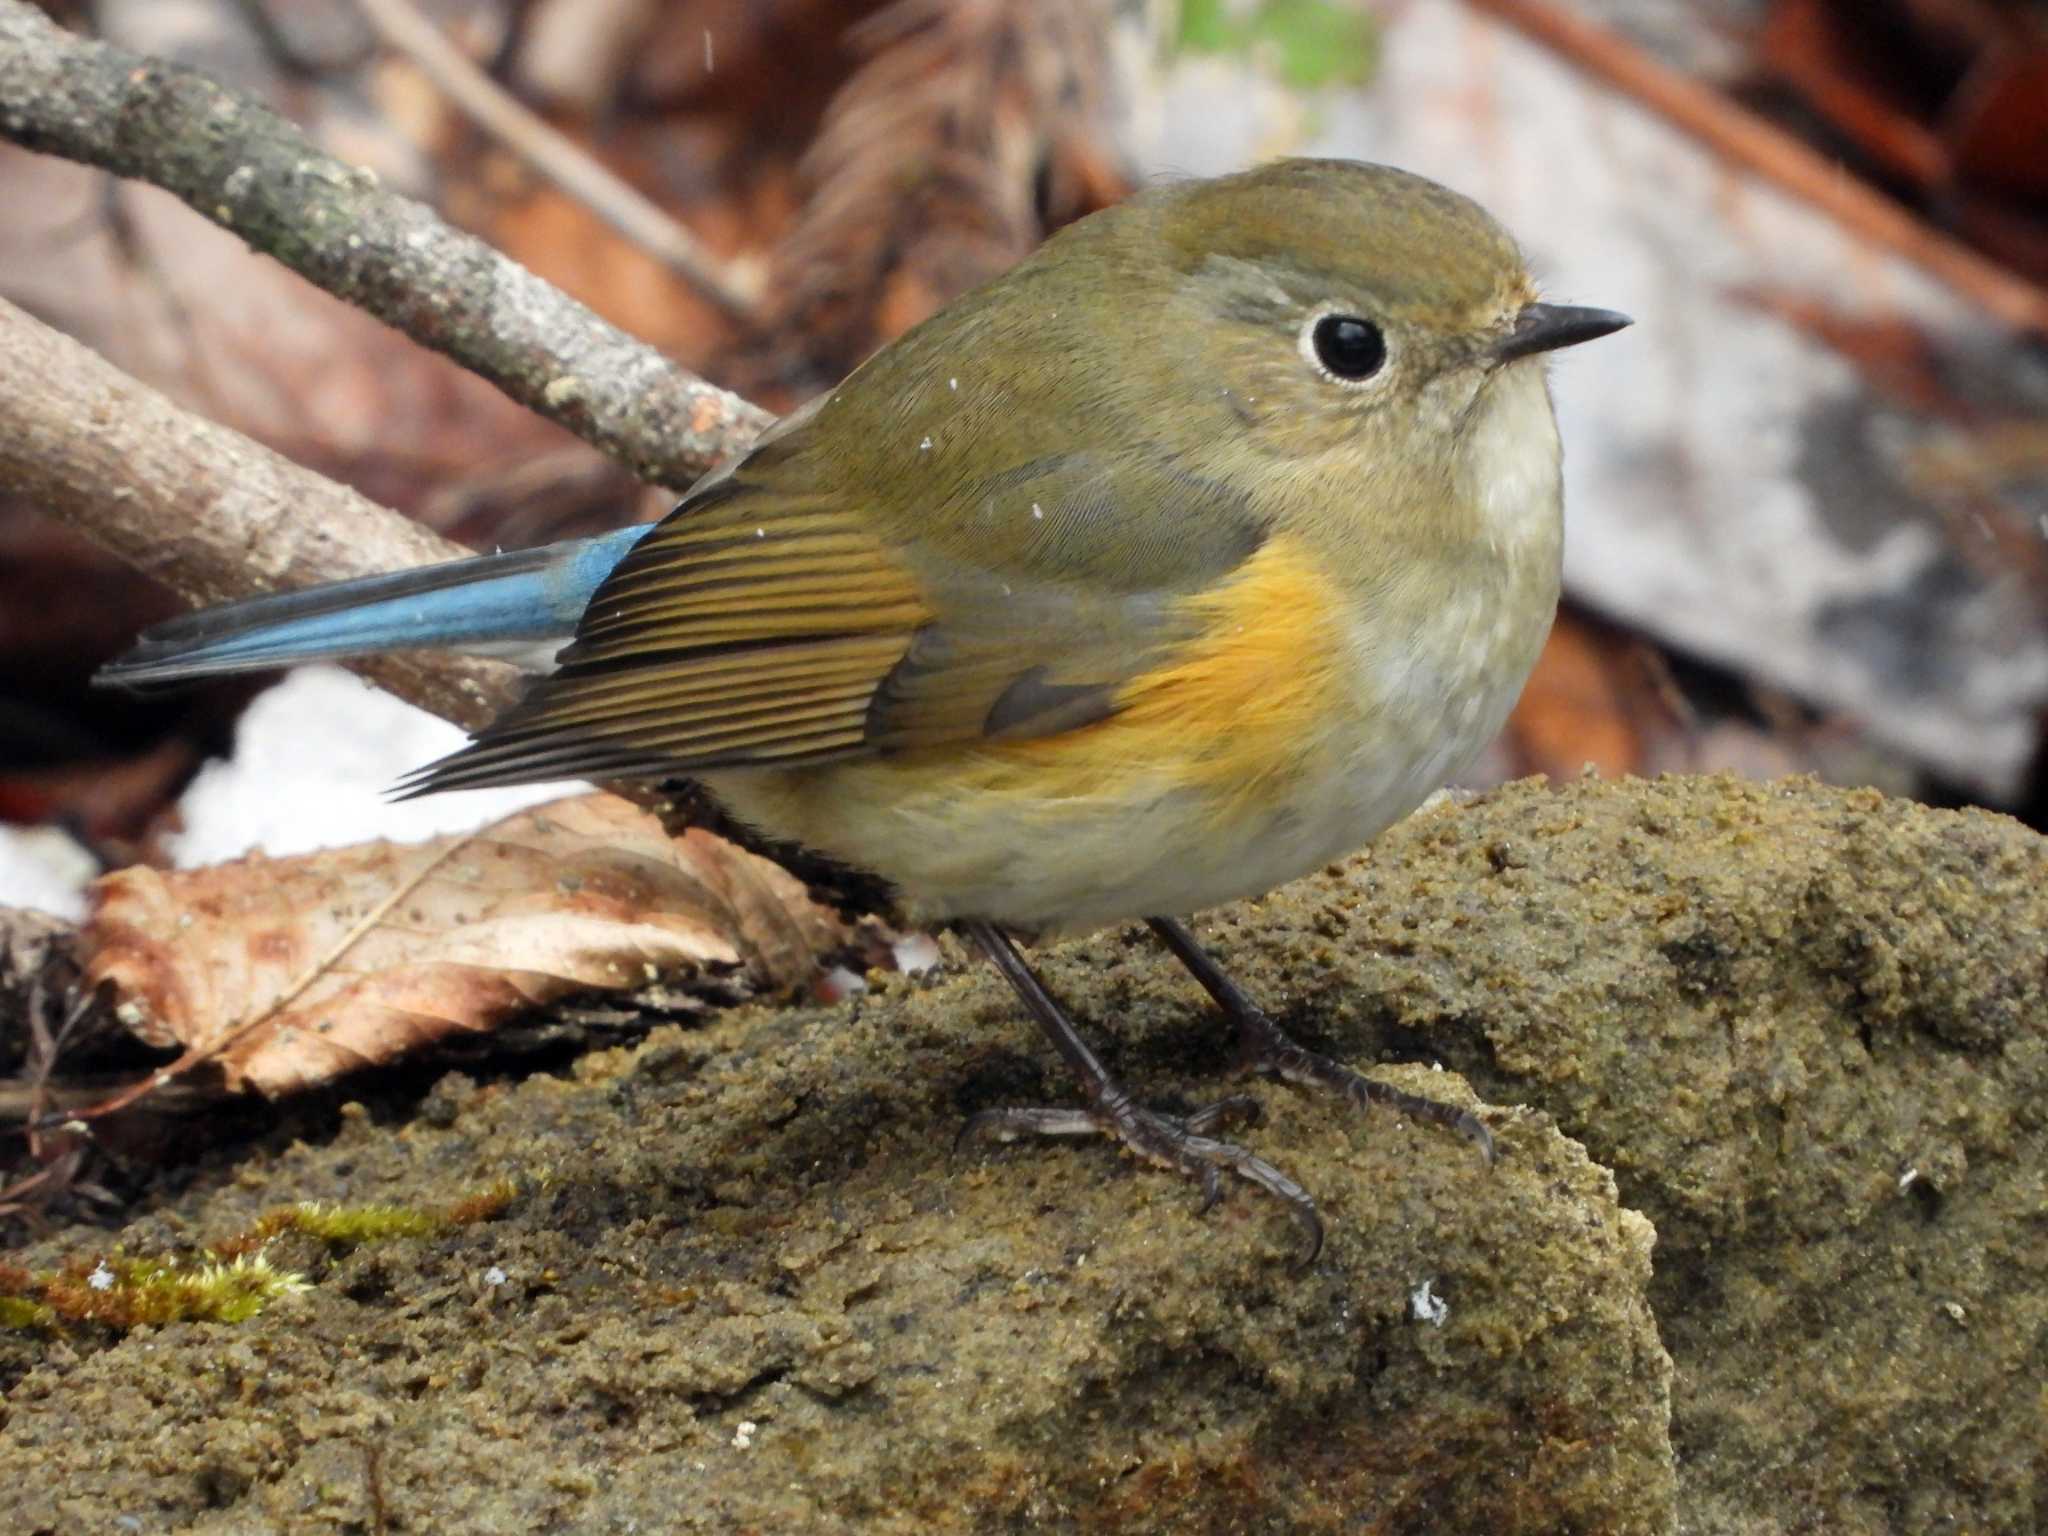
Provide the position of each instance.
(492, 603)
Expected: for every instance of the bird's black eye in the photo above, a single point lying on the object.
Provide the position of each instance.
(1351, 348)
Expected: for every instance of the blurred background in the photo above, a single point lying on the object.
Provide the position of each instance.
(1808, 492)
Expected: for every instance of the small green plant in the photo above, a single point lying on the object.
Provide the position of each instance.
(21, 1315)
(119, 1292)
(1312, 43)
(235, 1282)
(352, 1226)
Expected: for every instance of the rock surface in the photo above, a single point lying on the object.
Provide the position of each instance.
(747, 1288)
(1808, 1030)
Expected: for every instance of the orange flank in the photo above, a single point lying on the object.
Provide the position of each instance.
(1244, 702)
(1238, 717)
(1234, 711)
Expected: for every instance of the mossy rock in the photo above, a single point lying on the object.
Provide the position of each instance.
(750, 1287)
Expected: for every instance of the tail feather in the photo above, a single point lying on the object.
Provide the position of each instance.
(486, 603)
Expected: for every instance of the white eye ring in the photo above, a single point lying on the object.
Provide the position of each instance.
(1348, 349)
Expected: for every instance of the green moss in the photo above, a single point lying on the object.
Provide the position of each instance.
(236, 1283)
(20, 1315)
(151, 1291)
(351, 1226)
(355, 1226)
(123, 1293)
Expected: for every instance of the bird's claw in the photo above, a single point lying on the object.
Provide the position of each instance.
(1179, 1143)
(1268, 1052)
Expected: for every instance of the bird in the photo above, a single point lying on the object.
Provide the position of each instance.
(1173, 564)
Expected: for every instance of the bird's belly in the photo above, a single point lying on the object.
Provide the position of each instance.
(1186, 800)
(1032, 852)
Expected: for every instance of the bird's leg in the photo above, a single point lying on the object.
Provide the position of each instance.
(1266, 1050)
(1177, 1142)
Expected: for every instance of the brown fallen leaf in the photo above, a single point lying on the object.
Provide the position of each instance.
(286, 972)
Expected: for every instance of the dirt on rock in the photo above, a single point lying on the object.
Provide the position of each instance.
(1808, 1030)
(746, 1284)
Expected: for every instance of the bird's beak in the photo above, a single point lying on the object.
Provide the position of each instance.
(1546, 327)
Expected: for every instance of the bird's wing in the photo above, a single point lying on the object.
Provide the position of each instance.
(769, 621)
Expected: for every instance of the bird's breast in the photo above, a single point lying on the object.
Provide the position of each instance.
(1308, 708)
(1443, 645)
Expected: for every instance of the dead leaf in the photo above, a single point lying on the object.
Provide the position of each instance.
(965, 133)
(286, 972)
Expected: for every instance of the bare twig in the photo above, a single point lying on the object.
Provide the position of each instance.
(1747, 139)
(252, 172)
(56, 1154)
(207, 511)
(733, 288)
(47, 1108)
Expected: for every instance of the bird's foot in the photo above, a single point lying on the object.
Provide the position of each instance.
(1178, 1142)
(1266, 1050)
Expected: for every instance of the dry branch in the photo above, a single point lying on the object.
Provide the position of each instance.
(209, 512)
(732, 287)
(254, 173)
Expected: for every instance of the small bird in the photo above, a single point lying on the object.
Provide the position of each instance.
(1171, 565)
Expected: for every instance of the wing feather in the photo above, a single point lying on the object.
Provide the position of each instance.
(705, 648)
(784, 615)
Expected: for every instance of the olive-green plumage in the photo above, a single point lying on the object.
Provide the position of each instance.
(1171, 565)
(996, 523)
